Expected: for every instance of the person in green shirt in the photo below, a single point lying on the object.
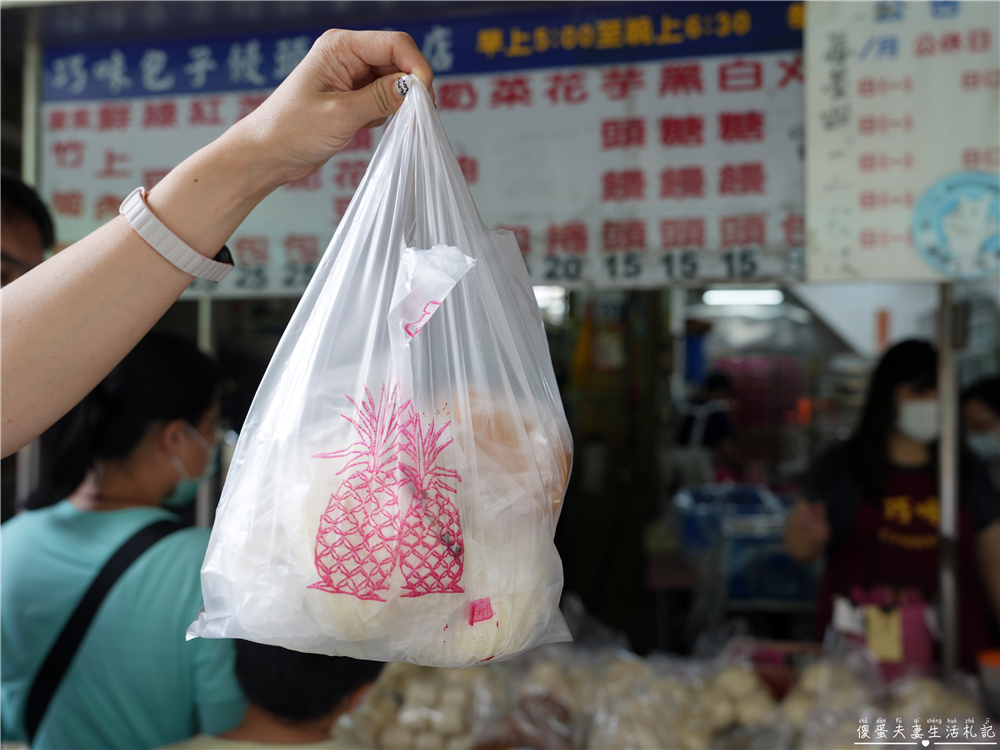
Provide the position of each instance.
(136, 441)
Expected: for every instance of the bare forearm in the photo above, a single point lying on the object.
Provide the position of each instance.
(67, 323)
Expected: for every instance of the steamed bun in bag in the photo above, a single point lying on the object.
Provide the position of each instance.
(397, 483)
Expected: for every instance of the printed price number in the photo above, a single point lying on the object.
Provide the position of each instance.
(251, 277)
(625, 266)
(562, 269)
(741, 264)
(682, 265)
(297, 275)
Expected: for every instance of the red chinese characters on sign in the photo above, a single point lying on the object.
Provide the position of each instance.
(57, 120)
(794, 227)
(251, 251)
(872, 199)
(511, 92)
(975, 158)
(743, 229)
(470, 168)
(248, 103)
(871, 125)
(81, 119)
(458, 96)
(741, 179)
(301, 249)
(567, 87)
(682, 131)
(869, 86)
(69, 154)
(617, 83)
(107, 206)
(950, 42)
(682, 232)
(159, 115)
(623, 133)
(972, 80)
(791, 71)
(522, 235)
(114, 116)
(741, 76)
(622, 236)
(570, 238)
(68, 203)
(350, 173)
(872, 161)
(205, 111)
(629, 184)
(869, 239)
(741, 127)
(362, 141)
(111, 161)
(681, 79)
(682, 182)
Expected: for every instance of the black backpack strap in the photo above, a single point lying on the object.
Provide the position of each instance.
(64, 649)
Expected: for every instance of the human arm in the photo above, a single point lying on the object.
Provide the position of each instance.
(988, 555)
(807, 531)
(69, 321)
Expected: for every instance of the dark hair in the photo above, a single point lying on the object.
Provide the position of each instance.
(17, 200)
(163, 378)
(986, 390)
(718, 381)
(912, 362)
(297, 686)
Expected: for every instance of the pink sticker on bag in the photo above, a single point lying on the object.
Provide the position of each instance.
(480, 610)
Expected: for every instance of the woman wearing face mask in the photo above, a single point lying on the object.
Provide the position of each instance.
(133, 445)
(870, 505)
(981, 415)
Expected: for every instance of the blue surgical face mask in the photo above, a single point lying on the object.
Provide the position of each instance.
(986, 445)
(187, 488)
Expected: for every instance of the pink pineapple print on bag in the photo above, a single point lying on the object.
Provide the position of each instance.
(356, 545)
(431, 549)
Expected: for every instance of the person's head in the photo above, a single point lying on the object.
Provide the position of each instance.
(902, 398)
(981, 415)
(300, 688)
(25, 228)
(718, 386)
(154, 414)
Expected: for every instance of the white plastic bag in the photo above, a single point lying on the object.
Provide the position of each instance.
(395, 491)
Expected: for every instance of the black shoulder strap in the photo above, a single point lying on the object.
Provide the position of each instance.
(61, 654)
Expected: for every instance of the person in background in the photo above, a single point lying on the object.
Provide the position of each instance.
(706, 448)
(139, 441)
(981, 415)
(870, 505)
(103, 293)
(295, 698)
(25, 234)
(27, 228)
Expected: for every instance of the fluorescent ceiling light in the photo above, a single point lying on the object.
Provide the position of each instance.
(743, 297)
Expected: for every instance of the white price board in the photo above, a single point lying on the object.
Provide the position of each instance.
(630, 145)
(903, 147)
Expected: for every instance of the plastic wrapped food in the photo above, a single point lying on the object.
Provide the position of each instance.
(396, 487)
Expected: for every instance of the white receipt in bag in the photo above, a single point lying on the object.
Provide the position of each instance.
(395, 491)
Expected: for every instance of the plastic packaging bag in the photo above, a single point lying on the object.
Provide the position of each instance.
(395, 491)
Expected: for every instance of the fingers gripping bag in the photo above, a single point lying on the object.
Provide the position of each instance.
(395, 491)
